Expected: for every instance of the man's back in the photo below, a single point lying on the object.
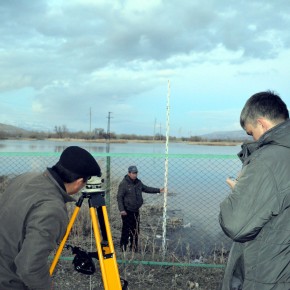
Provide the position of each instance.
(31, 208)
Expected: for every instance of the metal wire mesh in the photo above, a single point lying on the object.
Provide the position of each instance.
(196, 186)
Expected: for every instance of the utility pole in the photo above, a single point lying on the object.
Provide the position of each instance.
(154, 129)
(108, 173)
(90, 122)
(108, 131)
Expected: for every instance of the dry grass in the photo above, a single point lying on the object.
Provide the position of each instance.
(141, 277)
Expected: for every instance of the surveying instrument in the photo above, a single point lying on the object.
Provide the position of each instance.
(105, 248)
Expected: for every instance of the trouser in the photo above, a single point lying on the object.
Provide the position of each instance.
(130, 230)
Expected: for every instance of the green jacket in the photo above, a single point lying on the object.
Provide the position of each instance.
(256, 216)
(129, 194)
(33, 219)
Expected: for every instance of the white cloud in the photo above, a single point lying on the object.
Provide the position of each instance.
(108, 54)
(37, 107)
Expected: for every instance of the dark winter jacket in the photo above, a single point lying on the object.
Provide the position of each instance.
(33, 219)
(129, 195)
(256, 216)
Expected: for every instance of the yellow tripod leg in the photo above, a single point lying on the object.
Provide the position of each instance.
(110, 240)
(108, 262)
(61, 246)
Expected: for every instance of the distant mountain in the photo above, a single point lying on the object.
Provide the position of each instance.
(239, 135)
(9, 129)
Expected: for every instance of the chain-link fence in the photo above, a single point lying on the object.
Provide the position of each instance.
(196, 186)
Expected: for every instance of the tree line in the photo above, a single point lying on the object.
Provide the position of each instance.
(62, 132)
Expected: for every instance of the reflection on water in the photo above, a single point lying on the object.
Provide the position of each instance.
(130, 147)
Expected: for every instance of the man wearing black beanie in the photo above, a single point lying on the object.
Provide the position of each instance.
(34, 218)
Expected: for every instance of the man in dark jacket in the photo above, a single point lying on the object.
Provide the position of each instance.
(256, 214)
(130, 200)
(33, 218)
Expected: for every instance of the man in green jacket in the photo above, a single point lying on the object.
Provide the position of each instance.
(256, 215)
(33, 218)
(130, 200)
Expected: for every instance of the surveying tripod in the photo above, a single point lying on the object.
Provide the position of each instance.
(105, 249)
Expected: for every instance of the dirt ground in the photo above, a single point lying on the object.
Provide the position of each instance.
(140, 277)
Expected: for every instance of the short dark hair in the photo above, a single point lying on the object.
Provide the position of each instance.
(66, 175)
(264, 104)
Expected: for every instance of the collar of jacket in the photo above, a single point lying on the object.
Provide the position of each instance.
(247, 149)
(278, 135)
(53, 176)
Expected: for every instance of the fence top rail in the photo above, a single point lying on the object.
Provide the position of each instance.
(123, 155)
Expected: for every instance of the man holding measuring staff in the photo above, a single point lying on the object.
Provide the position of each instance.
(130, 200)
(34, 218)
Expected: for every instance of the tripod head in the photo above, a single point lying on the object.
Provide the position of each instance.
(94, 192)
(94, 186)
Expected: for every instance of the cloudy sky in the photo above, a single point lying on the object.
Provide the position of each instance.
(71, 62)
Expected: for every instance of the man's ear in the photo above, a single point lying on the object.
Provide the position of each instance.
(75, 186)
(79, 182)
(265, 124)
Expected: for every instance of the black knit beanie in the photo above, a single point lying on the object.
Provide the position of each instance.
(79, 161)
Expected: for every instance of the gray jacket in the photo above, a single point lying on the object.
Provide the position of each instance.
(129, 195)
(33, 220)
(256, 216)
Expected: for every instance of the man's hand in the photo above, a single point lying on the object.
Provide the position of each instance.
(231, 182)
(161, 190)
(123, 212)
